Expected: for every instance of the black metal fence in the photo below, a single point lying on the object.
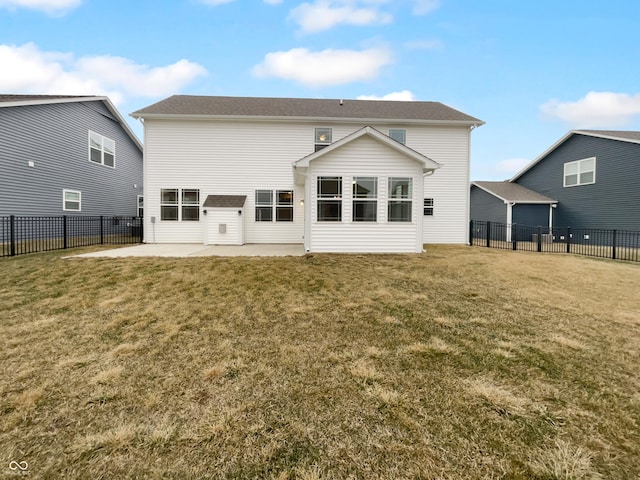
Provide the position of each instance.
(615, 244)
(20, 235)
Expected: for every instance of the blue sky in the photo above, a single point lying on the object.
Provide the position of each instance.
(532, 70)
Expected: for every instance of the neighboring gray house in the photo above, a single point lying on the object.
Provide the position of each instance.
(67, 155)
(588, 179)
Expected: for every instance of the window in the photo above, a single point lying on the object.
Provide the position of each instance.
(365, 199)
(580, 172)
(323, 138)
(102, 150)
(398, 134)
(176, 204)
(140, 206)
(428, 207)
(283, 205)
(71, 200)
(329, 199)
(399, 203)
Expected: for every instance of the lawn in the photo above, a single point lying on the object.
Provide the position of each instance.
(462, 362)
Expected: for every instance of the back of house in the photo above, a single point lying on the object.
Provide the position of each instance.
(334, 175)
(67, 155)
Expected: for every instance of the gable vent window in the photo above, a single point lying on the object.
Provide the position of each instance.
(102, 150)
(323, 138)
(398, 134)
(428, 207)
(580, 172)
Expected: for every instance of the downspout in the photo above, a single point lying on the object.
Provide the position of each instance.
(510, 206)
(306, 238)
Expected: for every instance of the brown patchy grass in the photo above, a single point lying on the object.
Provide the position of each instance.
(457, 363)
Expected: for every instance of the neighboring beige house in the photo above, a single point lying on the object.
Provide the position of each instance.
(334, 175)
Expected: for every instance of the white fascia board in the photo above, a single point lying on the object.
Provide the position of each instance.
(514, 202)
(122, 121)
(541, 157)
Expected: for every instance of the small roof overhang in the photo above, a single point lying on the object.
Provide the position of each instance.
(428, 165)
(514, 193)
(224, 201)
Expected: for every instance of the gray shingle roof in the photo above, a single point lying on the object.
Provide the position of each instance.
(619, 134)
(5, 98)
(305, 107)
(513, 192)
(225, 201)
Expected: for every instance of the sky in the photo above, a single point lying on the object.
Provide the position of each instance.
(532, 70)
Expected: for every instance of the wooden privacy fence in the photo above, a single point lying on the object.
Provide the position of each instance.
(20, 235)
(615, 244)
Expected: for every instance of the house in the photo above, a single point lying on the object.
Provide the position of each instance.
(334, 175)
(67, 155)
(587, 179)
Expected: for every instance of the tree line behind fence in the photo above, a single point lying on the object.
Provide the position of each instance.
(20, 235)
(615, 244)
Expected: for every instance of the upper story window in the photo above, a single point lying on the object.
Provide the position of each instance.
(398, 134)
(323, 138)
(580, 172)
(365, 199)
(180, 204)
(283, 205)
(329, 199)
(102, 150)
(400, 202)
(71, 200)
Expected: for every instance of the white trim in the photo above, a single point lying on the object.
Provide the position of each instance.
(102, 149)
(64, 200)
(579, 172)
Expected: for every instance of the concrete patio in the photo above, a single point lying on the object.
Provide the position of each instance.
(196, 250)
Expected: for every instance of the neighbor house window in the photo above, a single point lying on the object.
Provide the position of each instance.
(365, 199)
(399, 204)
(180, 204)
(102, 150)
(71, 200)
(322, 138)
(280, 210)
(398, 134)
(428, 207)
(580, 172)
(140, 204)
(329, 199)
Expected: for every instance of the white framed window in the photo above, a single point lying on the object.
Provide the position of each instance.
(428, 207)
(364, 199)
(398, 134)
(323, 138)
(140, 205)
(329, 199)
(71, 200)
(274, 205)
(400, 201)
(180, 204)
(102, 150)
(580, 172)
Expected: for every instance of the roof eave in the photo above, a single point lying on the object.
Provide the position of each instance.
(48, 101)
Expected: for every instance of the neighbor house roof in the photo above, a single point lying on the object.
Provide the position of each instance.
(513, 192)
(225, 201)
(12, 100)
(620, 135)
(305, 108)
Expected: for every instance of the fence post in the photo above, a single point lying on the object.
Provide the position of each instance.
(64, 231)
(488, 234)
(568, 239)
(470, 232)
(101, 230)
(539, 238)
(141, 229)
(514, 235)
(614, 241)
(12, 235)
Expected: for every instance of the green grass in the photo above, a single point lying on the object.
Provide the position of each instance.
(458, 363)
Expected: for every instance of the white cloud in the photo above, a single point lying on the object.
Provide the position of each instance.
(510, 166)
(404, 95)
(325, 68)
(423, 7)
(35, 71)
(595, 110)
(325, 14)
(52, 7)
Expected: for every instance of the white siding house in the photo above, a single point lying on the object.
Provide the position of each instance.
(334, 175)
